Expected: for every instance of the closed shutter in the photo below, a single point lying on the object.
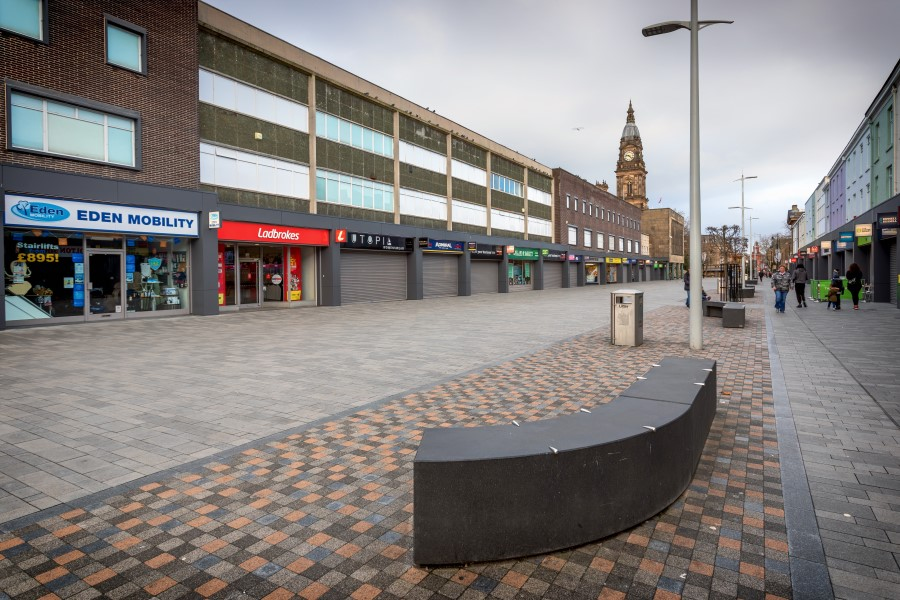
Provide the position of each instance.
(440, 274)
(573, 274)
(485, 275)
(892, 283)
(553, 272)
(372, 277)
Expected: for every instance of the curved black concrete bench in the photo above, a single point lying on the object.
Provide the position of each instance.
(490, 493)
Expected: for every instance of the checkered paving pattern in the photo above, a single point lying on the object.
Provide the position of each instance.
(326, 512)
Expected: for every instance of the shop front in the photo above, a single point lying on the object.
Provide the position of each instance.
(575, 264)
(73, 261)
(374, 267)
(614, 269)
(554, 265)
(485, 267)
(261, 264)
(887, 224)
(440, 267)
(593, 267)
(520, 268)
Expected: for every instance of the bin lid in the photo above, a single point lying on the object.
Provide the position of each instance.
(629, 292)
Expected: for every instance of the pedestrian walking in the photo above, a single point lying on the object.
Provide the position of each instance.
(799, 279)
(687, 287)
(781, 283)
(854, 283)
(835, 291)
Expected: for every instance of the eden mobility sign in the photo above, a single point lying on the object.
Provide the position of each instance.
(51, 213)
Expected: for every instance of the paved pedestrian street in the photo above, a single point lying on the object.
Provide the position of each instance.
(323, 508)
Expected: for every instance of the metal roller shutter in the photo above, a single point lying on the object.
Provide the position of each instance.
(485, 277)
(553, 272)
(440, 273)
(372, 277)
(892, 284)
(573, 274)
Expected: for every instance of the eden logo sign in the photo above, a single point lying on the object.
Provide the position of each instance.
(42, 212)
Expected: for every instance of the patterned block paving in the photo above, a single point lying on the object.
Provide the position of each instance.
(326, 512)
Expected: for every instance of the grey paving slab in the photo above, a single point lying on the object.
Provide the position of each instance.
(179, 389)
(839, 381)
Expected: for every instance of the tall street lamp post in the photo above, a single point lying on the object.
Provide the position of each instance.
(696, 267)
(742, 207)
(752, 266)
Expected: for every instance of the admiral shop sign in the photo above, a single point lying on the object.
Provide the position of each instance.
(444, 246)
(52, 213)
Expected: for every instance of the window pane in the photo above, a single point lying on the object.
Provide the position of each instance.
(119, 123)
(60, 109)
(224, 92)
(346, 190)
(368, 197)
(357, 195)
(357, 136)
(389, 146)
(321, 124)
(389, 200)
(332, 189)
(27, 128)
(75, 138)
(320, 188)
(245, 99)
(368, 143)
(27, 101)
(22, 16)
(346, 135)
(333, 128)
(89, 115)
(123, 47)
(206, 86)
(121, 146)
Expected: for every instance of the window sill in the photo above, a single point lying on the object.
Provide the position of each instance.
(75, 158)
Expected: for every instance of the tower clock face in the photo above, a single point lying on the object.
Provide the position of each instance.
(629, 155)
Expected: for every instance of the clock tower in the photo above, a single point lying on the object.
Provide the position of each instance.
(631, 174)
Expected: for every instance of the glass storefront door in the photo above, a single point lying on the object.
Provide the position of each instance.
(104, 285)
(249, 285)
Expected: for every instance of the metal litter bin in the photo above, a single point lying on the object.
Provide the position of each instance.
(626, 318)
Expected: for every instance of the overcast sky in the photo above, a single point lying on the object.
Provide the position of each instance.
(782, 90)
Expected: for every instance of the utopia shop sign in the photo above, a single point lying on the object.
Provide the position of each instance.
(51, 213)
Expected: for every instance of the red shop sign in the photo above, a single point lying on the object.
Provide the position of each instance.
(272, 234)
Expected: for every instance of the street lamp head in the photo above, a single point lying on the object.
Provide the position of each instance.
(664, 27)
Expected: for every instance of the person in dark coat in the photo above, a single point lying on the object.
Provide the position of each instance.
(835, 291)
(799, 279)
(854, 283)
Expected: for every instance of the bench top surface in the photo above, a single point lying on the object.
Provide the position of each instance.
(734, 306)
(665, 394)
(622, 418)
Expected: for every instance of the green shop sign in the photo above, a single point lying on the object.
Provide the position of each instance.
(524, 254)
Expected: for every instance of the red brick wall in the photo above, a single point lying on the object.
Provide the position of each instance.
(576, 187)
(74, 63)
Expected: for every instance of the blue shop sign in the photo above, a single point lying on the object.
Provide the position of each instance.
(846, 236)
(53, 213)
(449, 246)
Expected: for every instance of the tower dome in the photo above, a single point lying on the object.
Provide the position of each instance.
(631, 130)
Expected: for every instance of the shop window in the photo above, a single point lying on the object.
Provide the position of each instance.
(126, 45)
(89, 132)
(44, 269)
(156, 274)
(27, 18)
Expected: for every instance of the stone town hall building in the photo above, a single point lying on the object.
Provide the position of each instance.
(664, 226)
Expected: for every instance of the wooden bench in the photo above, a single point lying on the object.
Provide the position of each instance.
(504, 491)
(733, 315)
